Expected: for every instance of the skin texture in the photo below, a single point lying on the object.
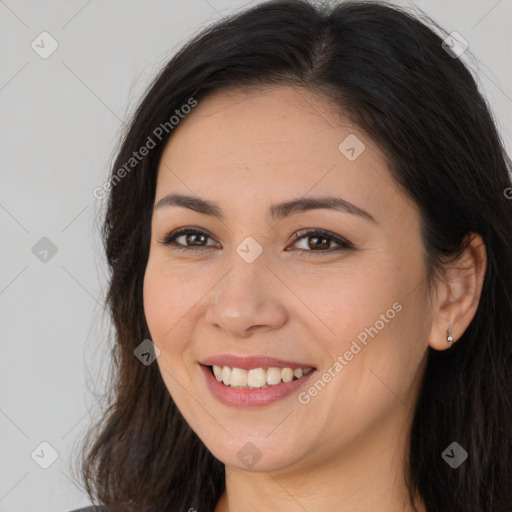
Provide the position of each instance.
(344, 449)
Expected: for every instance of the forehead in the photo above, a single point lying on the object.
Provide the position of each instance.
(262, 123)
(275, 142)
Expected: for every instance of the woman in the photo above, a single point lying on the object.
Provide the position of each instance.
(311, 248)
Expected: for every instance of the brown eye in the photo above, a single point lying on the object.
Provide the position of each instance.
(192, 239)
(320, 241)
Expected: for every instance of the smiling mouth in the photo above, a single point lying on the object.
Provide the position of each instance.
(256, 378)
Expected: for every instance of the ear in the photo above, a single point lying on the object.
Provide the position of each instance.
(458, 295)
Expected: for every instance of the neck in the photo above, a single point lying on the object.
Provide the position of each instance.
(367, 476)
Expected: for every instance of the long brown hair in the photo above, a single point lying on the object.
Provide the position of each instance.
(390, 73)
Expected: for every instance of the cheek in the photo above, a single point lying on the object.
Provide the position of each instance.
(165, 312)
(376, 318)
(156, 301)
(349, 302)
(167, 300)
(168, 294)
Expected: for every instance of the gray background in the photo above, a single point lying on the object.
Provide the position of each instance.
(61, 118)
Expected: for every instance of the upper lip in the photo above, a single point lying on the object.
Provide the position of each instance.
(248, 363)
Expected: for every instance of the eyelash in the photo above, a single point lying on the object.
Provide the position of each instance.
(168, 240)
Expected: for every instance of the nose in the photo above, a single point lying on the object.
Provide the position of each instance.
(248, 299)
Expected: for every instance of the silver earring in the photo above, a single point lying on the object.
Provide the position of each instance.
(449, 338)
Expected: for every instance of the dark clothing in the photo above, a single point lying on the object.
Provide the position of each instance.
(87, 509)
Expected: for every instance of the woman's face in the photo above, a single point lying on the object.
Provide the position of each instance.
(243, 293)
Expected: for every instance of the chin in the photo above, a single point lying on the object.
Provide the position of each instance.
(255, 454)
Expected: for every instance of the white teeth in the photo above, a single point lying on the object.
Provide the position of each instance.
(287, 374)
(226, 375)
(238, 378)
(257, 377)
(273, 376)
(217, 370)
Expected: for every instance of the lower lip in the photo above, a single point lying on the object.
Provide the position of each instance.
(251, 397)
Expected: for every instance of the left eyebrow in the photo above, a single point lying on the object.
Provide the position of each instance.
(277, 211)
(295, 206)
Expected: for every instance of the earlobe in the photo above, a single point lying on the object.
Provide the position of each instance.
(458, 294)
(440, 339)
